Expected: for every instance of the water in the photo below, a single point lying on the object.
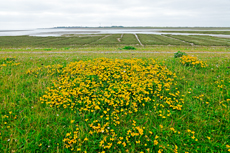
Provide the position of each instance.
(60, 32)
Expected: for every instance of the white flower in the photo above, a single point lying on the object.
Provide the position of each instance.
(57, 114)
(8, 140)
(108, 127)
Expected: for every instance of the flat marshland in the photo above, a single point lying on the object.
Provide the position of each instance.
(110, 40)
(88, 94)
(202, 32)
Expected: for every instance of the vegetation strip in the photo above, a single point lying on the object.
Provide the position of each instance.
(111, 40)
(104, 52)
(202, 32)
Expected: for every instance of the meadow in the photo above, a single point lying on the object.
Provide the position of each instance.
(109, 40)
(202, 40)
(120, 101)
(202, 32)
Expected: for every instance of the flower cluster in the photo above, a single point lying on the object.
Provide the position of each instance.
(8, 61)
(188, 60)
(110, 95)
(48, 70)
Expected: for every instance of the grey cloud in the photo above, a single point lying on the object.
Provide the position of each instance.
(44, 13)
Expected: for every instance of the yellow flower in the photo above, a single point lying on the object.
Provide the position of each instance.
(86, 139)
(124, 144)
(155, 142)
(119, 142)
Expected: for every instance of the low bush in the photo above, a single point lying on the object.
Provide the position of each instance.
(129, 48)
(179, 54)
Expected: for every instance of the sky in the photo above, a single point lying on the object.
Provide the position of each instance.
(30, 14)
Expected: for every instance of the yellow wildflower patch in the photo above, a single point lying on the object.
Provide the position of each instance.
(188, 60)
(105, 92)
(8, 61)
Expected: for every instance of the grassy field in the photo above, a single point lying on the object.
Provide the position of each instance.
(202, 40)
(85, 93)
(45, 42)
(117, 40)
(109, 40)
(201, 32)
(115, 102)
(118, 49)
(159, 40)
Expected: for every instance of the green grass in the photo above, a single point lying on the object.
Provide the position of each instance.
(45, 42)
(79, 41)
(129, 39)
(201, 32)
(29, 126)
(101, 48)
(202, 40)
(109, 40)
(148, 39)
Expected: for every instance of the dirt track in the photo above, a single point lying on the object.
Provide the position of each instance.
(109, 52)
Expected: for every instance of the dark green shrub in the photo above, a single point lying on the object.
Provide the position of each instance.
(66, 48)
(47, 49)
(129, 48)
(179, 54)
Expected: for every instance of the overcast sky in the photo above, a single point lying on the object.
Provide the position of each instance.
(27, 14)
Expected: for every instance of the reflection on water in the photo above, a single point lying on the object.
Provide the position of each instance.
(60, 32)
